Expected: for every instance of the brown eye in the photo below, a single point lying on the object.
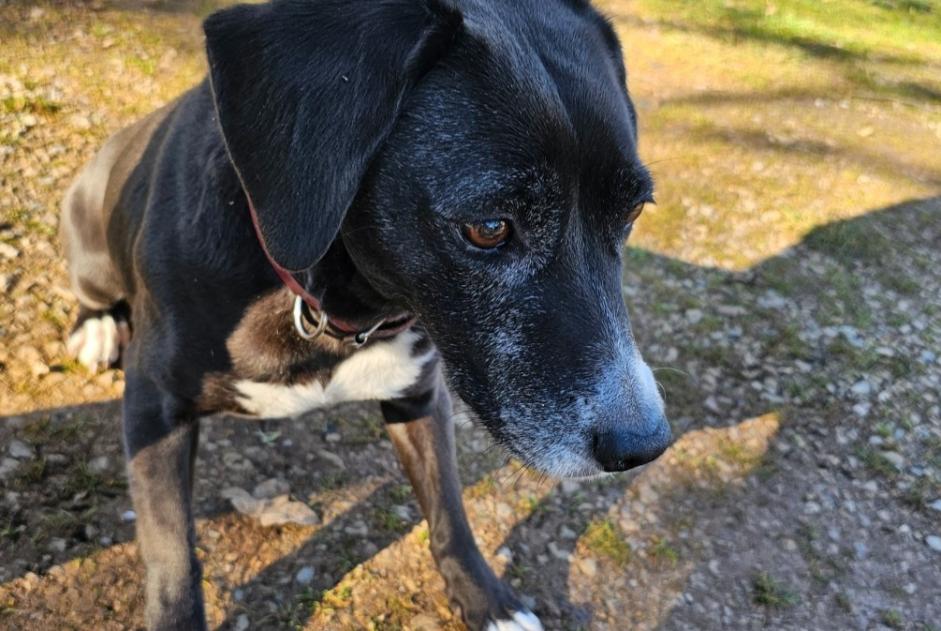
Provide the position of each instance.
(487, 234)
(634, 213)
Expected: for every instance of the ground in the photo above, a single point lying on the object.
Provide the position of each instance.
(786, 287)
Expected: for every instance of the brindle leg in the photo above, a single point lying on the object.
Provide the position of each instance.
(161, 448)
(422, 431)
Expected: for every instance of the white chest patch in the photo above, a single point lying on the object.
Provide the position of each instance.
(380, 371)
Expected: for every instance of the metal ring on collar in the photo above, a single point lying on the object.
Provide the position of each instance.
(300, 322)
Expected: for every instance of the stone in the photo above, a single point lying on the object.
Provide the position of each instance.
(559, 553)
(20, 450)
(128, 516)
(424, 622)
(935, 505)
(270, 488)
(588, 566)
(933, 542)
(332, 458)
(357, 529)
(7, 251)
(567, 533)
(57, 544)
(99, 464)
(895, 459)
(304, 576)
(241, 623)
(861, 388)
(80, 122)
(274, 511)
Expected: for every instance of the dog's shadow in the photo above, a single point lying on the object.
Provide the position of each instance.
(578, 520)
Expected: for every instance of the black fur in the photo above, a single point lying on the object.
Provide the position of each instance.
(367, 133)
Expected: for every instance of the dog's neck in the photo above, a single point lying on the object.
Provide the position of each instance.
(344, 291)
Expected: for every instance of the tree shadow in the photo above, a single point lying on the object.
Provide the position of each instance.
(698, 401)
(871, 241)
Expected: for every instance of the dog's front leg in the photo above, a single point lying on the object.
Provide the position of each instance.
(422, 431)
(161, 448)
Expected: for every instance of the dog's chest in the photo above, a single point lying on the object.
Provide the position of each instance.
(275, 374)
(383, 370)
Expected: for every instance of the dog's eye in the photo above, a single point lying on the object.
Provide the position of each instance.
(488, 234)
(634, 213)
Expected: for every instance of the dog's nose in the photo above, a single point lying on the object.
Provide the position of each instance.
(620, 448)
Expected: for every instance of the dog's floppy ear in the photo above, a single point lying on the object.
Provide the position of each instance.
(306, 92)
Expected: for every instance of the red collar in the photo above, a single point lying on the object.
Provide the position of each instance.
(316, 322)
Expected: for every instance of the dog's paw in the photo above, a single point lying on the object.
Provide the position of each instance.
(522, 621)
(98, 341)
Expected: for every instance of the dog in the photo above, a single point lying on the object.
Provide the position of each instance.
(392, 200)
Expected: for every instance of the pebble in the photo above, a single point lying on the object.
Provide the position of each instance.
(20, 450)
(332, 458)
(935, 505)
(270, 488)
(304, 576)
(357, 529)
(57, 544)
(588, 566)
(99, 464)
(7, 467)
(505, 553)
(934, 542)
(861, 550)
(128, 516)
(7, 251)
(861, 388)
(567, 533)
(424, 622)
(559, 553)
(241, 623)
(895, 459)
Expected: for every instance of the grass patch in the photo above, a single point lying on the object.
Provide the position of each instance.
(892, 619)
(876, 462)
(663, 552)
(386, 520)
(43, 431)
(769, 592)
(603, 538)
(84, 480)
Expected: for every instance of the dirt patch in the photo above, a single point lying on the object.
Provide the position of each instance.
(785, 288)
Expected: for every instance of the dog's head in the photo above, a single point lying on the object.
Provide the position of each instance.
(478, 160)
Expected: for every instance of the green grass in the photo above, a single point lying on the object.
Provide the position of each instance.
(388, 521)
(769, 592)
(663, 552)
(906, 30)
(604, 538)
(876, 463)
(892, 619)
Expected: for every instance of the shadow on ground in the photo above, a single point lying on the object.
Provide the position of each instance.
(63, 492)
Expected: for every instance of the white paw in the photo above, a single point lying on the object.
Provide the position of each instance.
(98, 342)
(522, 621)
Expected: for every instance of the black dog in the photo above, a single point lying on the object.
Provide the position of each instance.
(451, 182)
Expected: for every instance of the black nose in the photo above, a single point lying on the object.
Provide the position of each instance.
(619, 449)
